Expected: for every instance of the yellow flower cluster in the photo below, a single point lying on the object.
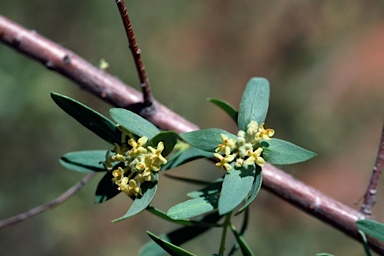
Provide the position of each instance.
(245, 148)
(140, 162)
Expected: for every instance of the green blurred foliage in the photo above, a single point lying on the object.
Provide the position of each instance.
(324, 62)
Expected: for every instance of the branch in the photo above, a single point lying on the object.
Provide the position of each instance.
(370, 195)
(50, 205)
(115, 92)
(136, 53)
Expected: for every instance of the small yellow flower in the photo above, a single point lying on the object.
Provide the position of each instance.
(264, 134)
(255, 158)
(226, 146)
(137, 147)
(224, 161)
(156, 156)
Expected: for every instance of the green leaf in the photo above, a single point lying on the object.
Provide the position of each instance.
(84, 161)
(141, 202)
(134, 123)
(254, 103)
(106, 189)
(185, 156)
(243, 228)
(89, 118)
(245, 248)
(180, 235)
(168, 247)
(168, 138)
(236, 186)
(254, 190)
(193, 207)
(210, 190)
(228, 108)
(372, 228)
(277, 151)
(207, 139)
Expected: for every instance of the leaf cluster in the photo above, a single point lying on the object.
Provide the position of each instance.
(206, 206)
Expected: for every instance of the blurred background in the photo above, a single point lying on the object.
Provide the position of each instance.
(325, 64)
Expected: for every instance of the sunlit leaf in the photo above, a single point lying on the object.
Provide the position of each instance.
(106, 189)
(228, 108)
(84, 161)
(134, 123)
(193, 207)
(207, 139)
(254, 190)
(254, 103)
(141, 202)
(168, 247)
(236, 186)
(277, 151)
(89, 118)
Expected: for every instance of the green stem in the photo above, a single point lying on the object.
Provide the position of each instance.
(226, 223)
(365, 243)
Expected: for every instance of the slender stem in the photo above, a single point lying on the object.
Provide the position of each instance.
(226, 223)
(370, 194)
(50, 205)
(136, 53)
(365, 243)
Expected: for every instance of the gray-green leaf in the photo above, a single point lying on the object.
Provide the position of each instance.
(134, 123)
(84, 161)
(254, 103)
(207, 139)
(283, 152)
(89, 118)
(236, 186)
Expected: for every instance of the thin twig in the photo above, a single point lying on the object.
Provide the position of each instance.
(136, 53)
(50, 205)
(370, 194)
(117, 93)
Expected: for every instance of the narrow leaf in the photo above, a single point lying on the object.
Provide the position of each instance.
(168, 138)
(254, 103)
(283, 152)
(207, 139)
(193, 207)
(245, 248)
(106, 189)
(134, 123)
(254, 190)
(371, 228)
(236, 186)
(168, 247)
(84, 161)
(181, 235)
(89, 118)
(141, 202)
(210, 190)
(185, 156)
(228, 108)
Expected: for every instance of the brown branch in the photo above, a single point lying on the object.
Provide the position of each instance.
(50, 205)
(370, 194)
(136, 53)
(114, 91)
